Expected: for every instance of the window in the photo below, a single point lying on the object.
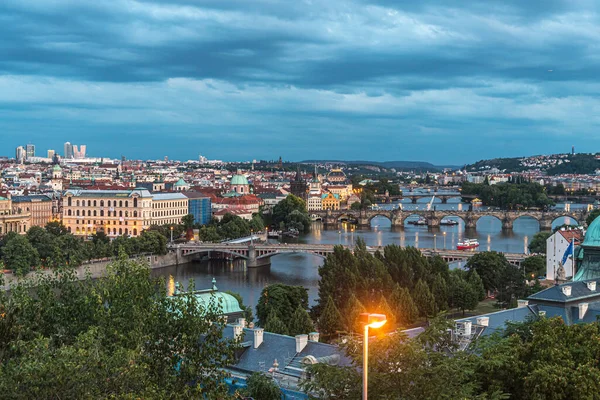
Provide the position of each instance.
(120, 203)
(120, 231)
(77, 212)
(135, 202)
(77, 203)
(120, 213)
(69, 213)
(134, 232)
(89, 213)
(101, 203)
(135, 214)
(94, 213)
(108, 203)
(102, 213)
(94, 203)
(126, 204)
(69, 201)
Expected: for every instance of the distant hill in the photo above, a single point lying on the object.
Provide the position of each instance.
(398, 165)
(555, 164)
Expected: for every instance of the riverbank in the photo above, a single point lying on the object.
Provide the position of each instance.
(97, 269)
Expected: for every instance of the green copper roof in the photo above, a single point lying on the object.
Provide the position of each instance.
(225, 302)
(239, 180)
(180, 182)
(592, 236)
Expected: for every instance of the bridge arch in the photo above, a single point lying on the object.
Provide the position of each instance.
(572, 219)
(450, 214)
(525, 216)
(487, 217)
(348, 216)
(322, 255)
(410, 215)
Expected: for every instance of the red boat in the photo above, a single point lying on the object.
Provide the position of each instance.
(467, 244)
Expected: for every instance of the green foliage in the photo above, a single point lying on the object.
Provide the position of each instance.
(538, 243)
(300, 322)
(489, 266)
(117, 337)
(509, 196)
(330, 320)
(281, 300)
(19, 255)
(209, 233)
(260, 386)
(424, 299)
(292, 213)
(275, 325)
(188, 221)
(592, 216)
(56, 228)
(465, 291)
(534, 266)
(355, 206)
(580, 164)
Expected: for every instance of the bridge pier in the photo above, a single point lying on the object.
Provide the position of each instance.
(444, 200)
(507, 224)
(433, 222)
(413, 200)
(545, 224)
(253, 261)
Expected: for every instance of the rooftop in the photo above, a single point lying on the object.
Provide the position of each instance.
(579, 291)
(168, 196)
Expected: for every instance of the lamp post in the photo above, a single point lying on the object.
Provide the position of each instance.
(251, 237)
(444, 240)
(171, 234)
(340, 237)
(434, 242)
(371, 321)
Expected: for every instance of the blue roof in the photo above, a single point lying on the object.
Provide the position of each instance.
(579, 291)
(280, 347)
(497, 320)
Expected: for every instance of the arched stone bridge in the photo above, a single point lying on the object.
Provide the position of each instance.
(257, 255)
(398, 217)
(443, 196)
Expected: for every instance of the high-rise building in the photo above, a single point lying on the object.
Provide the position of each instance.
(79, 153)
(51, 154)
(30, 151)
(68, 152)
(20, 154)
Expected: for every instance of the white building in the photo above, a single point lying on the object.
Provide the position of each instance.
(556, 247)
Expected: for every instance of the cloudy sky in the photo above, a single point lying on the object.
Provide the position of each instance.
(445, 81)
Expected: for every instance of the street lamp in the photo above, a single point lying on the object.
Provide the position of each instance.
(371, 321)
(340, 237)
(434, 242)
(171, 234)
(251, 237)
(444, 240)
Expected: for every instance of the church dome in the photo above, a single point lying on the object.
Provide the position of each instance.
(239, 180)
(180, 183)
(592, 236)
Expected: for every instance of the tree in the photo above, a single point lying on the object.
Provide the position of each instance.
(283, 299)
(489, 266)
(300, 323)
(260, 386)
(355, 206)
(56, 228)
(353, 309)
(116, 337)
(187, 221)
(424, 299)
(209, 233)
(19, 255)
(464, 295)
(534, 266)
(42, 241)
(404, 307)
(439, 291)
(330, 320)
(474, 281)
(538, 243)
(275, 324)
(291, 211)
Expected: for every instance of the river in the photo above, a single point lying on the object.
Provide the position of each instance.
(302, 269)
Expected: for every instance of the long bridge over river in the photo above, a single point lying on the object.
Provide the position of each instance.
(259, 254)
(398, 217)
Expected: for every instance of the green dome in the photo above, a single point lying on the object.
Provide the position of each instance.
(592, 236)
(226, 302)
(239, 180)
(56, 168)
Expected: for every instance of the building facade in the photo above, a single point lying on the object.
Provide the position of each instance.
(114, 212)
(557, 249)
(11, 221)
(330, 201)
(168, 208)
(299, 187)
(200, 207)
(39, 206)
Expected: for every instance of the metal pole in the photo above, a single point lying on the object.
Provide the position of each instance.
(434, 242)
(366, 363)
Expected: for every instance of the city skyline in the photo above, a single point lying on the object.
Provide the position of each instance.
(347, 80)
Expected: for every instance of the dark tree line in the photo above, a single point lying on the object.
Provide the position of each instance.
(399, 282)
(509, 196)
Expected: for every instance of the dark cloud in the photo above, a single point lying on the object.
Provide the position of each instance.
(455, 76)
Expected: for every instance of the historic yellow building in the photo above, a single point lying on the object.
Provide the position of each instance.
(39, 206)
(114, 212)
(120, 212)
(330, 201)
(11, 221)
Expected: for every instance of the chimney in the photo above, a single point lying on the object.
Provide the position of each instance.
(483, 321)
(566, 290)
(258, 337)
(242, 322)
(591, 286)
(583, 307)
(301, 342)
(238, 330)
(467, 325)
(313, 336)
(522, 303)
(542, 313)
